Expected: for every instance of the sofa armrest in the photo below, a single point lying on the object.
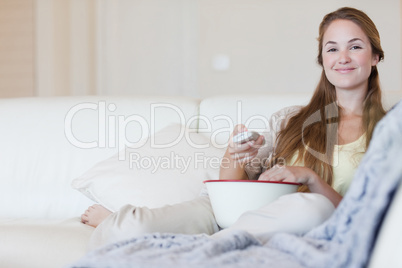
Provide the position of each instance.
(386, 252)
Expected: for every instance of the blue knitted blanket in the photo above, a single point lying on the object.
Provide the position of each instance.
(344, 240)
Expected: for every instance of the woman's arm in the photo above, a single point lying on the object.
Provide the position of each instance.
(246, 161)
(237, 156)
(231, 169)
(304, 176)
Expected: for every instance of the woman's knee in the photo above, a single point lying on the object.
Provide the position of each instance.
(294, 213)
(309, 209)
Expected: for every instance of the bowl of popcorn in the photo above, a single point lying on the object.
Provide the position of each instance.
(231, 198)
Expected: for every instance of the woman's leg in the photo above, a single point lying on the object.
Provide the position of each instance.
(293, 213)
(191, 217)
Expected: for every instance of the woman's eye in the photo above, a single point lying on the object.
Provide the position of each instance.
(331, 50)
(356, 47)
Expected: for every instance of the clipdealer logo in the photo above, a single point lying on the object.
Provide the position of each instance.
(111, 132)
(112, 127)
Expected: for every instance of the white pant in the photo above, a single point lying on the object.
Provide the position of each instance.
(294, 213)
(191, 217)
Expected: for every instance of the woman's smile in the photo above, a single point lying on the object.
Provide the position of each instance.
(344, 70)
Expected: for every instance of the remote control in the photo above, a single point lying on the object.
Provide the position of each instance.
(246, 136)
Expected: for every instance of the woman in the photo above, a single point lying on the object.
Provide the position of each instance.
(320, 144)
(336, 126)
(349, 50)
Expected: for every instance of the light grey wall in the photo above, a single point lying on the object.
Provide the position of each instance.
(197, 48)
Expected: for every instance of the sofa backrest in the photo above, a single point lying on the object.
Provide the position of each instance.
(47, 142)
(220, 114)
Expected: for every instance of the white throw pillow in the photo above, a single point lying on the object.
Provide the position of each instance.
(169, 168)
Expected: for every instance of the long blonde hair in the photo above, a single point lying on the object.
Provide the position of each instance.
(321, 134)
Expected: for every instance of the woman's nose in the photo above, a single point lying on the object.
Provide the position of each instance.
(344, 57)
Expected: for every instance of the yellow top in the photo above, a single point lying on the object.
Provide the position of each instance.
(346, 160)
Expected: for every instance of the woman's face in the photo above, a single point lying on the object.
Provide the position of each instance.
(347, 56)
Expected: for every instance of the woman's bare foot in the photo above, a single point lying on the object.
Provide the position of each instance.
(94, 215)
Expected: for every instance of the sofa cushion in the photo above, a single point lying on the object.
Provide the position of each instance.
(40, 157)
(169, 168)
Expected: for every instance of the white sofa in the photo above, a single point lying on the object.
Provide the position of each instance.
(47, 143)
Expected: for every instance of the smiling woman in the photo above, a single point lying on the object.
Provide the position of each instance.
(300, 146)
(314, 142)
(349, 60)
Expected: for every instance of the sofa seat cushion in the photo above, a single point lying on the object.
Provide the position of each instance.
(42, 243)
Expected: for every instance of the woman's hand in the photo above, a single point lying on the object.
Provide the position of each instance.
(304, 176)
(295, 174)
(243, 152)
(236, 155)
